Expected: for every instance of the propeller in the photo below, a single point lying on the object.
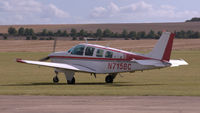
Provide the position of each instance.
(54, 45)
(54, 48)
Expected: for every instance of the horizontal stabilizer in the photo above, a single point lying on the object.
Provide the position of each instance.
(156, 63)
(175, 63)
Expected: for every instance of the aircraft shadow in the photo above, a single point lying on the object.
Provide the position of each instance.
(115, 84)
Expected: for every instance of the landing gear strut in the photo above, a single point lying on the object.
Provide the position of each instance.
(56, 79)
(70, 77)
(110, 78)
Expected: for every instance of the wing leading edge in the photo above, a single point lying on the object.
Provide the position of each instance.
(58, 65)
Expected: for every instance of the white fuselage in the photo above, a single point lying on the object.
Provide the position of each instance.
(120, 61)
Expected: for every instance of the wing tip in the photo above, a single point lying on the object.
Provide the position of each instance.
(19, 60)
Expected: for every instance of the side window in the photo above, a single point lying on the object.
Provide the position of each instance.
(99, 53)
(108, 54)
(78, 50)
(89, 51)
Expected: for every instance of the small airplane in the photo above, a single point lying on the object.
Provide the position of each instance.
(97, 59)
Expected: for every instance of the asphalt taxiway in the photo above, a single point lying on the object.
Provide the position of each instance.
(99, 104)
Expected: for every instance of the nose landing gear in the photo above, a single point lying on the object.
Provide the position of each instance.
(55, 78)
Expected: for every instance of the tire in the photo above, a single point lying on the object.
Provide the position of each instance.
(55, 79)
(109, 79)
(72, 81)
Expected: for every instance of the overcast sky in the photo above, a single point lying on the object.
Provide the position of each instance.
(96, 11)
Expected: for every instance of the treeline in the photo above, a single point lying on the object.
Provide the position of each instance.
(195, 19)
(99, 34)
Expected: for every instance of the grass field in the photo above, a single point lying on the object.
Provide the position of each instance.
(22, 79)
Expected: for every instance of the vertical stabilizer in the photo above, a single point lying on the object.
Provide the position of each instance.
(162, 49)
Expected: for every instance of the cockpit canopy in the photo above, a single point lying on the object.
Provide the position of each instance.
(87, 50)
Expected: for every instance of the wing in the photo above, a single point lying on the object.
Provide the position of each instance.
(58, 65)
(175, 63)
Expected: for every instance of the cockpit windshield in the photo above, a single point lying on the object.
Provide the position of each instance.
(78, 50)
(69, 51)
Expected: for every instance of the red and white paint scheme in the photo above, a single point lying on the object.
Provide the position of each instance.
(96, 59)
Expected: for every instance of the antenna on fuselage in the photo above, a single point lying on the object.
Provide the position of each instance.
(54, 45)
(86, 40)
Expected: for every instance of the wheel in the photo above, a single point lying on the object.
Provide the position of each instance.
(72, 81)
(109, 79)
(55, 79)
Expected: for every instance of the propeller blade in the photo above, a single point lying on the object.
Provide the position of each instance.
(45, 58)
(54, 45)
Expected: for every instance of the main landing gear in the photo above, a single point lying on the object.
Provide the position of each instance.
(110, 77)
(69, 77)
(71, 81)
(55, 78)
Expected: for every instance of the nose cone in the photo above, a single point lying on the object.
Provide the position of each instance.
(52, 54)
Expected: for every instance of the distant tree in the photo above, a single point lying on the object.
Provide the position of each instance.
(140, 35)
(159, 33)
(12, 31)
(157, 36)
(65, 33)
(116, 35)
(124, 34)
(107, 33)
(82, 33)
(27, 38)
(90, 34)
(151, 34)
(189, 34)
(99, 33)
(29, 32)
(21, 31)
(132, 35)
(73, 33)
(58, 33)
(196, 35)
(50, 33)
(182, 34)
(195, 19)
(44, 32)
(34, 37)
